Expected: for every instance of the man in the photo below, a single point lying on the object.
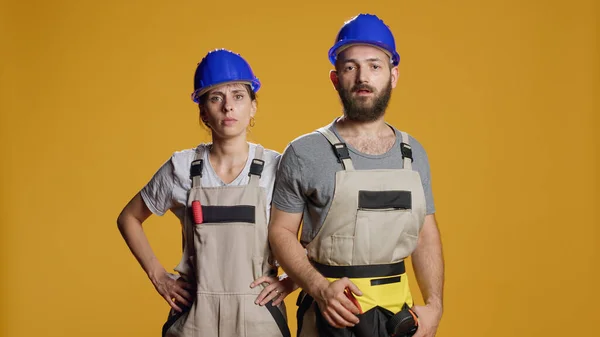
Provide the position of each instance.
(364, 190)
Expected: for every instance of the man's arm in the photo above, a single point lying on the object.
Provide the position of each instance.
(283, 237)
(428, 264)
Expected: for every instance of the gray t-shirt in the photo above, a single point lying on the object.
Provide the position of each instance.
(168, 188)
(306, 176)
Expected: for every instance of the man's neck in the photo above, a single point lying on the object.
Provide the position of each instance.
(373, 138)
(371, 129)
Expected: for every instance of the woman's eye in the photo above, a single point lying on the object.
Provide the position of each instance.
(215, 99)
(239, 96)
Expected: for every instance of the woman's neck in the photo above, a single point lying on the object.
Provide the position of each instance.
(228, 157)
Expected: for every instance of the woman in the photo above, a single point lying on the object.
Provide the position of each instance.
(221, 192)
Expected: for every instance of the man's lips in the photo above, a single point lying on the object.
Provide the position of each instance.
(363, 92)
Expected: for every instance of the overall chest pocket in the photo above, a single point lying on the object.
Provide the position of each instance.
(382, 219)
(224, 243)
(227, 214)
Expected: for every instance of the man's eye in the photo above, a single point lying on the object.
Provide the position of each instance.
(215, 99)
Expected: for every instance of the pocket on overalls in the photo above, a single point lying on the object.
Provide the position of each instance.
(380, 223)
(341, 249)
(223, 244)
(388, 292)
(372, 323)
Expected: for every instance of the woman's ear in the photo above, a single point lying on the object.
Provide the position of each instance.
(253, 108)
(202, 115)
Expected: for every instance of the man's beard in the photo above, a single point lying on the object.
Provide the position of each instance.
(356, 109)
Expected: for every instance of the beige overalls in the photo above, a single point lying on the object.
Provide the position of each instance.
(222, 256)
(371, 227)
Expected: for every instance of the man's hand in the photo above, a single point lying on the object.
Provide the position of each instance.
(335, 307)
(429, 319)
(174, 290)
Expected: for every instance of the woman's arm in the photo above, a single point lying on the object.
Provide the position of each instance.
(173, 290)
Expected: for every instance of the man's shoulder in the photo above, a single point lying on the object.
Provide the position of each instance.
(309, 142)
(307, 139)
(412, 140)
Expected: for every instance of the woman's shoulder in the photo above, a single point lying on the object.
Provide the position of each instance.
(271, 157)
(182, 160)
(190, 153)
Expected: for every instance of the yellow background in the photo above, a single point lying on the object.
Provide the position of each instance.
(503, 95)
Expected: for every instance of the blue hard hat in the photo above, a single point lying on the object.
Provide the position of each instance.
(221, 66)
(365, 29)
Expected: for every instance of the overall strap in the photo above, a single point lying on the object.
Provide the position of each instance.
(197, 167)
(406, 151)
(340, 149)
(257, 166)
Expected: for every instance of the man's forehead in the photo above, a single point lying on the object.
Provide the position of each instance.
(362, 52)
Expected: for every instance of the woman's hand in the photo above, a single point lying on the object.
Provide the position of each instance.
(174, 290)
(276, 290)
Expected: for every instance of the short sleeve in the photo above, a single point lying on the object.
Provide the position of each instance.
(421, 164)
(158, 193)
(288, 193)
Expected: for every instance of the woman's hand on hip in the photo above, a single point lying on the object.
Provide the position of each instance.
(176, 291)
(276, 290)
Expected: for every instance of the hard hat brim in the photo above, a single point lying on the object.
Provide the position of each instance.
(254, 84)
(345, 44)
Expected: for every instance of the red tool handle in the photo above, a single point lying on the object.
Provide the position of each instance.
(353, 299)
(197, 210)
